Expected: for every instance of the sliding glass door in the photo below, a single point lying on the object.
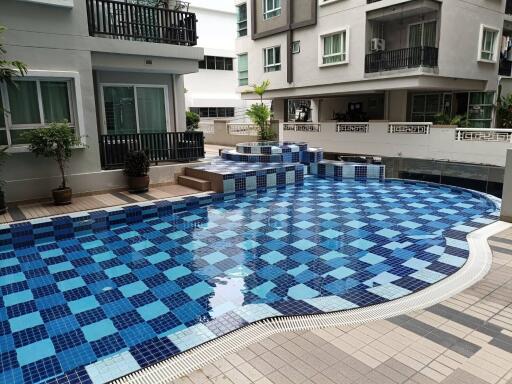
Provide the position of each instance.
(134, 109)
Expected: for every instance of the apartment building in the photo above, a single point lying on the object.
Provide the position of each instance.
(108, 67)
(212, 91)
(360, 60)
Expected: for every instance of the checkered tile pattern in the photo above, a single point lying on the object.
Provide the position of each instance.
(347, 171)
(90, 298)
(271, 147)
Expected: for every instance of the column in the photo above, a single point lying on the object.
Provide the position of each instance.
(506, 199)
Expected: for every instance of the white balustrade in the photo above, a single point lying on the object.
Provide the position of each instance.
(302, 127)
(410, 128)
(207, 128)
(352, 127)
(243, 129)
(484, 134)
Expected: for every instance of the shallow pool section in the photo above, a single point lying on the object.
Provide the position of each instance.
(100, 295)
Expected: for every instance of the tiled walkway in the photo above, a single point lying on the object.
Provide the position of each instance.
(46, 208)
(464, 340)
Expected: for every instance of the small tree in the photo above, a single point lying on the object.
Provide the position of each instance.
(505, 112)
(9, 68)
(260, 114)
(54, 142)
(192, 121)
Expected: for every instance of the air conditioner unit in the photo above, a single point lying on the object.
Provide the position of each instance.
(378, 45)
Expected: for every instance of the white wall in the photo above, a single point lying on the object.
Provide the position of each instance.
(440, 144)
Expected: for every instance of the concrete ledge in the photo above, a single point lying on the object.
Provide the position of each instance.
(83, 183)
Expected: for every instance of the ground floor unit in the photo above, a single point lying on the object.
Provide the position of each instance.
(474, 108)
(114, 102)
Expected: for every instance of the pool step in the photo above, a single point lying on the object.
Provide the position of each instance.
(195, 182)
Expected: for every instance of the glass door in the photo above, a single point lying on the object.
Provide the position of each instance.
(151, 110)
(119, 106)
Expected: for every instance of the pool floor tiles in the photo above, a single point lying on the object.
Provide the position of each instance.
(95, 307)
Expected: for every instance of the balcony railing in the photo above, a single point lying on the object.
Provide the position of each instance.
(483, 134)
(160, 147)
(401, 58)
(120, 20)
(352, 127)
(302, 127)
(410, 128)
(508, 7)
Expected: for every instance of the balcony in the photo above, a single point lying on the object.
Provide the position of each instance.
(401, 59)
(125, 21)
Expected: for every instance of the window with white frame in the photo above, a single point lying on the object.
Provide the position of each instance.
(272, 59)
(243, 69)
(242, 19)
(334, 48)
(271, 8)
(488, 43)
(32, 103)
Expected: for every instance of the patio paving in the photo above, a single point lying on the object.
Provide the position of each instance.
(24, 211)
(464, 340)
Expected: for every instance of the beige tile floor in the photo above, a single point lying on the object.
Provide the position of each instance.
(464, 340)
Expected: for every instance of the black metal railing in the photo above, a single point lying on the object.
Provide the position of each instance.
(505, 68)
(401, 58)
(160, 147)
(121, 20)
(508, 7)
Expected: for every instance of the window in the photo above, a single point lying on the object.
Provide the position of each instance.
(134, 109)
(217, 63)
(296, 47)
(480, 109)
(213, 112)
(33, 103)
(488, 44)
(426, 107)
(272, 59)
(243, 69)
(423, 34)
(242, 20)
(271, 8)
(334, 48)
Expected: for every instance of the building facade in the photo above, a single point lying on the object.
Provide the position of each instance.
(96, 64)
(360, 60)
(212, 91)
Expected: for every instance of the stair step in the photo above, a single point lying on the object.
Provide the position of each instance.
(194, 182)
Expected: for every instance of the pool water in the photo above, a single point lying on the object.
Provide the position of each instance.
(93, 308)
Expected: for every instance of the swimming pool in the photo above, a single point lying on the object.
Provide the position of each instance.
(147, 282)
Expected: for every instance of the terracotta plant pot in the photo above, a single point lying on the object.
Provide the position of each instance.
(3, 207)
(62, 196)
(138, 184)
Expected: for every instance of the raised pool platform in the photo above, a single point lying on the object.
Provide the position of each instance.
(259, 165)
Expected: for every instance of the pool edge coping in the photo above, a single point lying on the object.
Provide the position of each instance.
(476, 267)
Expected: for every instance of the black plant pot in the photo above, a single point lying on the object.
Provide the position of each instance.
(138, 184)
(62, 196)
(3, 207)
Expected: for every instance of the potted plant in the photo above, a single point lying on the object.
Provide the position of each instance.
(136, 168)
(55, 142)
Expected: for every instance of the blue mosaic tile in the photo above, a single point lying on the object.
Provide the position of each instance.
(129, 287)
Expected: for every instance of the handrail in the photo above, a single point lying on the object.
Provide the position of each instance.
(160, 147)
(116, 19)
(401, 58)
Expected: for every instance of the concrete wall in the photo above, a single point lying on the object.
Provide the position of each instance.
(221, 136)
(506, 202)
(440, 144)
(458, 65)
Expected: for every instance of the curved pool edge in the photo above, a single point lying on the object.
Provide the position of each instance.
(476, 267)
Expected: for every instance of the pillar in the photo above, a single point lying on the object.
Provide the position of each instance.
(506, 199)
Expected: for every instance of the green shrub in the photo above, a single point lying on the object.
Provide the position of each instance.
(136, 164)
(192, 121)
(54, 142)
